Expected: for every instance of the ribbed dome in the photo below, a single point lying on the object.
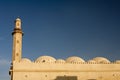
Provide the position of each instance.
(91, 61)
(117, 61)
(74, 59)
(101, 60)
(25, 60)
(60, 61)
(45, 59)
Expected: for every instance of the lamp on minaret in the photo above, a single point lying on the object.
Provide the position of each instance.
(17, 41)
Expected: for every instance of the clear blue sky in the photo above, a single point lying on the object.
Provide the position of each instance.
(61, 28)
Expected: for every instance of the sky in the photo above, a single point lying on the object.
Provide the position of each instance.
(60, 28)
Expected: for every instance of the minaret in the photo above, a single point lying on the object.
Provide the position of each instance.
(17, 41)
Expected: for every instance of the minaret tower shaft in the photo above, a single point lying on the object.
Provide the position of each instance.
(17, 41)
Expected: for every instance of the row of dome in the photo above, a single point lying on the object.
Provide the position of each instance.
(73, 59)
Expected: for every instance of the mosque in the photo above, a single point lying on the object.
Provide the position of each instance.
(49, 68)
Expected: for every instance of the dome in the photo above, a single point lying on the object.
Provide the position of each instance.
(45, 59)
(74, 59)
(25, 60)
(60, 61)
(101, 60)
(18, 19)
(91, 61)
(117, 61)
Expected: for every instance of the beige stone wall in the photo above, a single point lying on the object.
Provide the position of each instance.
(66, 76)
(66, 71)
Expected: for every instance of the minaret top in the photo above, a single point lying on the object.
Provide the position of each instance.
(18, 23)
(17, 27)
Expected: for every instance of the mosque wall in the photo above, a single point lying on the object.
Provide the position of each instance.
(67, 71)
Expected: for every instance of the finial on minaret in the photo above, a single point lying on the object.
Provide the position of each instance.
(18, 23)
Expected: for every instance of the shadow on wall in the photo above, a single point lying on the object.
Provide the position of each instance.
(66, 78)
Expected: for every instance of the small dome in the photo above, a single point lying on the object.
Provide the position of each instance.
(91, 61)
(74, 59)
(18, 19)
(117, 61)
(25, 60)
(60, 61)
(45, 59)
(101, 60)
